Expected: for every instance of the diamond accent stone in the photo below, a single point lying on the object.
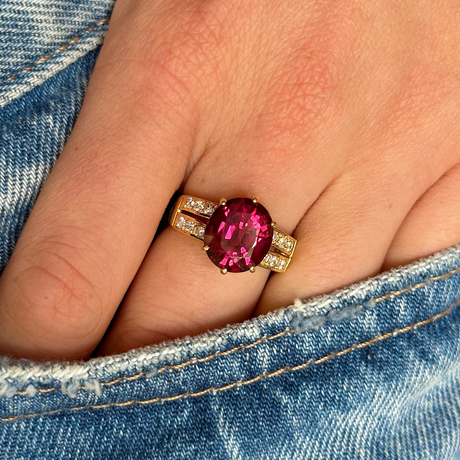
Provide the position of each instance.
(272, 260)
(181, 222)
(186, 224)
(198, 205)
(199, 231)
(288, 245)
(189, 226)
(283, 242)
(189, 202)
(209, 208)
(281, 264)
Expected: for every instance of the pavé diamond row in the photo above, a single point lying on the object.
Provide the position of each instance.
(283, 242)
(205, 208)
(275, 262)
(190, 226)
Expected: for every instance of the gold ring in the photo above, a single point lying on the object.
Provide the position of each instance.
(237, 233)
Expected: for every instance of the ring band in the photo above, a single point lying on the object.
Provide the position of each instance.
(237, 233)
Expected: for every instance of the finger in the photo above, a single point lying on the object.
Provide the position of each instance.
(343, 237)
(178, 291)
(431, 225)
(98, 211)
(346, 234)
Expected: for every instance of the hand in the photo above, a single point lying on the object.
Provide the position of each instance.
(342, 117)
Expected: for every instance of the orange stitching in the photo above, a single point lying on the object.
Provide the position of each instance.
(205, 358)
(330, 356)
(48, 56)
(245, 346)
(417, 286)
(177, 366)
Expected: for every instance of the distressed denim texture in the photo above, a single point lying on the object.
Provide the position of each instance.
(370, 371)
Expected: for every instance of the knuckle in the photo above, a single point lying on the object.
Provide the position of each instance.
(422, 91)
(57, 297)
(185, 48)
(308, 85)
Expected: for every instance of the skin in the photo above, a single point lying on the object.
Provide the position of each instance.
(341, 116)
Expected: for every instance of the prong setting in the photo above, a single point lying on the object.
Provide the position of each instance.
(252, 269)
(223, 271)
(254, 199)
(205, 247)
(223, 202)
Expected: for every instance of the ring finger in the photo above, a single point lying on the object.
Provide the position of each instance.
(177, 290)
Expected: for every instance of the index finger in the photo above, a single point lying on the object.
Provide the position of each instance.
(98, 211)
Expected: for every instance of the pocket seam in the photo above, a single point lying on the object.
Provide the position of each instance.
(263, 339)
(48, 56)
(309, 363)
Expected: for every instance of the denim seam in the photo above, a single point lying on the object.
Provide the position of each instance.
(239, 383)
(48, 56)
(217, 354)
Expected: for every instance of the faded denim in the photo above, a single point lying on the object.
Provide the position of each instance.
(370, 371)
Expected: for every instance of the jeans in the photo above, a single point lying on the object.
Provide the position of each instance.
(370, 371)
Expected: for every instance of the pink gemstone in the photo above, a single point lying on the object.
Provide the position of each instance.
(239, 235)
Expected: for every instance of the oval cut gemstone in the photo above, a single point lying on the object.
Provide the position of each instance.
(239, 235)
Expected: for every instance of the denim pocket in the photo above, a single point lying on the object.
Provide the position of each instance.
(39, 39)
(47, 53)
(369, 371)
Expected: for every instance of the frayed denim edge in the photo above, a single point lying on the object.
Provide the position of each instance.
(22, 376)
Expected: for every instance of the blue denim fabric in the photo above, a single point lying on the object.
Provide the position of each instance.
(371, 371)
